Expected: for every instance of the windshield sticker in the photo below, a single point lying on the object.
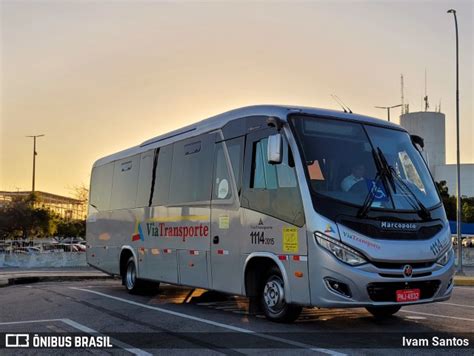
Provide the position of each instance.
(290, 239)
(224, 222)
(377, 190)
(361, 240)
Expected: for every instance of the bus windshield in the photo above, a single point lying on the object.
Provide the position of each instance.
(343, 160)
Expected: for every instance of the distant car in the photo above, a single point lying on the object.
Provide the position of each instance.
(27, 250)
(72, 240)
(55, 247)
(81, 247)
(468, 242)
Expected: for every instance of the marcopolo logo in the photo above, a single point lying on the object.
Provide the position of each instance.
(388, 225)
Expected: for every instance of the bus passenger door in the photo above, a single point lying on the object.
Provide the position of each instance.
(225, 216)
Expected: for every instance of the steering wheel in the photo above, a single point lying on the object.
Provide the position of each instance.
(359, 188)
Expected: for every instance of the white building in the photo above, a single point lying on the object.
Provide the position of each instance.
(432, 127)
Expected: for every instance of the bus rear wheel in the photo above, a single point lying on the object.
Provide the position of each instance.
(273, 301)
(130, 277)
(383, 311)
(135, 285)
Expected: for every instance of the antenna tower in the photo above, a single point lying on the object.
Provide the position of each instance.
(403, 99)
(427, 105)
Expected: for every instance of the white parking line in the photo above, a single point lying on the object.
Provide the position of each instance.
(458, 305)
(126, 347)
(84, 329)
(214, 323)
(437, 315)
(29, 321)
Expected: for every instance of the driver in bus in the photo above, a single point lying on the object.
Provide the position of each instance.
(357, 175)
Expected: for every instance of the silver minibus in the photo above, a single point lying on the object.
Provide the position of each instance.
(289, 206)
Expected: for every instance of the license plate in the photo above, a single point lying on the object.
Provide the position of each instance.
(408, 295)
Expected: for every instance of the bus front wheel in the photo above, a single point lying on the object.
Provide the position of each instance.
(273, 301)
(383, 311)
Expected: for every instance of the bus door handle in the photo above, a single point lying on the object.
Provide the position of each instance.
(215, 240)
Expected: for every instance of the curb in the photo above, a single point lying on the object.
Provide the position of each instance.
(463, 281)
(5, 282)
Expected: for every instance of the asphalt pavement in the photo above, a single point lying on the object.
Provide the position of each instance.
(180, 320)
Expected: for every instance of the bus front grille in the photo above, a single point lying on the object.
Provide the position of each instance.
(400, 265)
(386, 291)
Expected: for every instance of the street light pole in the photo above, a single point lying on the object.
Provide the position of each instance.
(458, 156)
(388, 109)
(34, 160)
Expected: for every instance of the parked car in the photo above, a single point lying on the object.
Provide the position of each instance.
(468, 242)
(454, 240)
(27, 250)
(80, 247)
(72, 240)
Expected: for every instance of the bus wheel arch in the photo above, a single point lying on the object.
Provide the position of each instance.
(254, 265)
(125, 255)
(260, 271)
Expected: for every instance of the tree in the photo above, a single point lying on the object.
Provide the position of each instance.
(468, 209)
(76, 228)
(22, 218)
(449, 202)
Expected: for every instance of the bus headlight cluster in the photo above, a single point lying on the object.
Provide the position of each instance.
(444, 259)
(342, 252)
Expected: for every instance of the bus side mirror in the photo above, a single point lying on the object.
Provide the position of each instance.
(417, 140)
(275, 149)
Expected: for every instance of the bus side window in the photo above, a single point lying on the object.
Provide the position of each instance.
(162, 176)
(224, 176)
(125, 183)
(101, 186)
(191, 170)
(273, 188)
(144, 178)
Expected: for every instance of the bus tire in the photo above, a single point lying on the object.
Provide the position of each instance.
(383, 311)
(130, 280)
(273, 301)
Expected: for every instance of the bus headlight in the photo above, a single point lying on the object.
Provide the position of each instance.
(342, 252)
(444, 259)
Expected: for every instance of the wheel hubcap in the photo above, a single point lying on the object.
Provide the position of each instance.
(273, 294)
(131, 276)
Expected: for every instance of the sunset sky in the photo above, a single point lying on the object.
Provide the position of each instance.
(99, 76)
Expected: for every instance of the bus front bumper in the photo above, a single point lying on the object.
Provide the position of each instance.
(337, 285)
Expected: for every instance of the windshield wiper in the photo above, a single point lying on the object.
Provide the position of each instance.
(364, 209)
(381, 172)
(422, 210)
